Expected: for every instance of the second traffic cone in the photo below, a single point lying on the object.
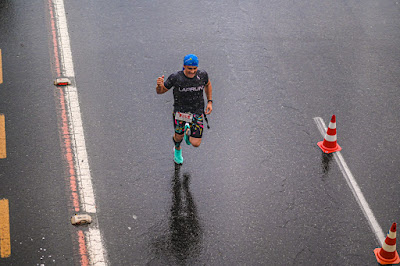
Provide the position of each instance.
(388, 254)
(329, 144)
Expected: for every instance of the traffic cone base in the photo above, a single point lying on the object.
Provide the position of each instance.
(328, 150)
(383, 261)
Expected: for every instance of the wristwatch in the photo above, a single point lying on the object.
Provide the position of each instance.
(210, 101)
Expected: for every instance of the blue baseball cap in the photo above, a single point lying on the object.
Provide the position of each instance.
(191, 60)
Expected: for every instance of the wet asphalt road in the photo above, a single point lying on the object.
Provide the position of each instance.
(258, 191)
(32, 176)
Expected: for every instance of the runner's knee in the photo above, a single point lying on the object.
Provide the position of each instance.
(178, 137)
(195, 142)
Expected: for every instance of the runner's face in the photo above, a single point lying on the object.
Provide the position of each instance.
(190, 71)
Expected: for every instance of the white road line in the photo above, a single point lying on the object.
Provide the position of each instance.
(373, 223)
(95, 246)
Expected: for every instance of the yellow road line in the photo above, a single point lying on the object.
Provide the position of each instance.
(1, 70)
(3, 152)
(5, 243)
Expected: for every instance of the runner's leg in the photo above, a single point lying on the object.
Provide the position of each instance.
(179, 130)
(187, 133)
(178, 138)
(196, 131)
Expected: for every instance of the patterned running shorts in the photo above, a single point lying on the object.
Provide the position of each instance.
(196, 127)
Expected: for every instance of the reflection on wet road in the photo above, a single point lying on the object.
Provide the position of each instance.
(325, 162)
(183, 240)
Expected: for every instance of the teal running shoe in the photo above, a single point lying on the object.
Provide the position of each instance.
(178, 156)
(186, 136)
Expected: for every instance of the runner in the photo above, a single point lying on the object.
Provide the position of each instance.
(188, 114)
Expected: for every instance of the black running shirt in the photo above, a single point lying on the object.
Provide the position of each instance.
(188, 92)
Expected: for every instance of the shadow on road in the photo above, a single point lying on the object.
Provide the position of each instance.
(185, 229)
(179, 242)
(4, 3)
(325, 162)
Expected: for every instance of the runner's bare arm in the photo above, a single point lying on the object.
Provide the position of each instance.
(160, 85)
(208, 90)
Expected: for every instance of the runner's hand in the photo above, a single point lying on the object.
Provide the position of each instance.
(160, 81)
(208, 108)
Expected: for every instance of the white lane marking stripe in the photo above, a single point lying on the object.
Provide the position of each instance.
(369, 215)
(95, 244)
(87, 198)
(96, 251)
(63, 39)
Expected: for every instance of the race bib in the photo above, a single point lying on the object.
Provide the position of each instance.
(187, 117)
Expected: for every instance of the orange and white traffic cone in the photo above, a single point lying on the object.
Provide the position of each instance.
(388, 254)
(329, 144)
